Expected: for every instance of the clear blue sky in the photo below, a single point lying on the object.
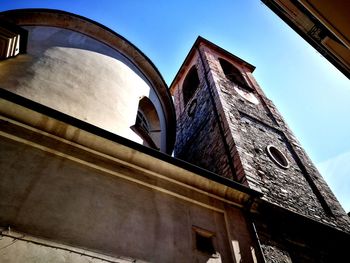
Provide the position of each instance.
(312, 95)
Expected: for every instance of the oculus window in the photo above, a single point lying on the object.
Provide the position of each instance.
(277, 156)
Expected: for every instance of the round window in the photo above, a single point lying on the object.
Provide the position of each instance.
(277, 156)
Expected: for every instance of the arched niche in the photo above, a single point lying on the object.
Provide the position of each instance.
(233, 74)
(190, 84)
(147, 124)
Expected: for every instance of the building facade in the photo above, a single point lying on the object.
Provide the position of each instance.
(87, 129)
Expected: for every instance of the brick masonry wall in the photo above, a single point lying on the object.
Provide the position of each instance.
(253, 127)
(287, 236)
(247, 129)
(198, 138)
(275, 254)
(230, 123)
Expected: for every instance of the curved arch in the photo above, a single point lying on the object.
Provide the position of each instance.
(190, 84)
(232, 73)
(147, 124)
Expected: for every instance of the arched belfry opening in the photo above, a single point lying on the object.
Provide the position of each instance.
(147, 124)
(233, 74)
(190, 84)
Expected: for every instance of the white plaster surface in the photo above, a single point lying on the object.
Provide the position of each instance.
(81, 77)
(65, 201)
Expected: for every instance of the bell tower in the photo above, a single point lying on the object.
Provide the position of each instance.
(227, 125)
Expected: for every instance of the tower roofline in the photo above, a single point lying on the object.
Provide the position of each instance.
(202, 40)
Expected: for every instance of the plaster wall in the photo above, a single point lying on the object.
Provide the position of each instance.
(55, 198)
(82, 77)
(20, 247)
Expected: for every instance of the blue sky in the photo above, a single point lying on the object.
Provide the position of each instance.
(312, 95)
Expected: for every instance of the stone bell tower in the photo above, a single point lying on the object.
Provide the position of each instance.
(227, 125)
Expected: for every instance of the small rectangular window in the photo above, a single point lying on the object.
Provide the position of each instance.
(12, 40)
(204, 241)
